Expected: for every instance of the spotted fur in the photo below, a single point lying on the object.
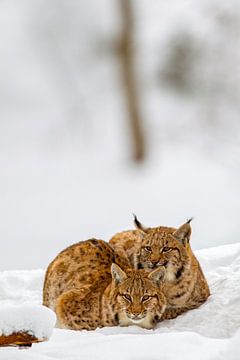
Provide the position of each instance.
(88, 286)
(185, 286)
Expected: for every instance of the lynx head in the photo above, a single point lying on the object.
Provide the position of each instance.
(137, 297)
(164, 246)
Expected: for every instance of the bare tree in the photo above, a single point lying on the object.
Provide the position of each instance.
(126, 55)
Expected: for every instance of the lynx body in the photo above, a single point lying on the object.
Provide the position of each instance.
(185, 286)
(89, 286)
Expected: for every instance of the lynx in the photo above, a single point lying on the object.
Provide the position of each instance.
(185, 286)
(89, 286)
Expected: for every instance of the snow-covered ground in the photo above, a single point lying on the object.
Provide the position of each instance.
(210, 332)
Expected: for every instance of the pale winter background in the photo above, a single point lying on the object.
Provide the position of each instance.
(92, 129)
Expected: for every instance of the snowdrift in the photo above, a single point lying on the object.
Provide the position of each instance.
(210, 332)
(25, 323)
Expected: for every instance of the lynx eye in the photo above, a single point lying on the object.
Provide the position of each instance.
(148, 248)
(165, 249)
(127, 297)
(146, 297)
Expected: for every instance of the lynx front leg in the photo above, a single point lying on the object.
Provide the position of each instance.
(75, 310)
(172, 313)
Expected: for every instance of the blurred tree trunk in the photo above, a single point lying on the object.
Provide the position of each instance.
(126, 55)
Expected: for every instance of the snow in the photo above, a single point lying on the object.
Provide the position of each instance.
(211, 332)
(21, 287)
(36, 320)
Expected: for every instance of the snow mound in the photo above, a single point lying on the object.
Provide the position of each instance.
(36, 320)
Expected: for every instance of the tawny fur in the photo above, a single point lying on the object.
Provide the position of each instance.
(88, 286)
(185, 286)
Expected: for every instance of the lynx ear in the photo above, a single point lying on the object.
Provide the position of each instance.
(118, 274)
(157, 275)
(138, 225)
(183, 233)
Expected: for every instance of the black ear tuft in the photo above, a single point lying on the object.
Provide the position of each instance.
(138, 224)
(189, 220)
(136, 221)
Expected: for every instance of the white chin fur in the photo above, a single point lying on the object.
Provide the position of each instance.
(146, 322)
(136, 321)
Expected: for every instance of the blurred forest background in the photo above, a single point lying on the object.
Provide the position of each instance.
(109, 107)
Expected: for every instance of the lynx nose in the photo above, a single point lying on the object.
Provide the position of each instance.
(154, 262)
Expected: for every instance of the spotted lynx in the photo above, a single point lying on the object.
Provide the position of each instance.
(89, 286)
(185, 286)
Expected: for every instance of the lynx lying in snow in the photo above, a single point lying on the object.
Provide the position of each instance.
(87, 288)
(185, 286)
